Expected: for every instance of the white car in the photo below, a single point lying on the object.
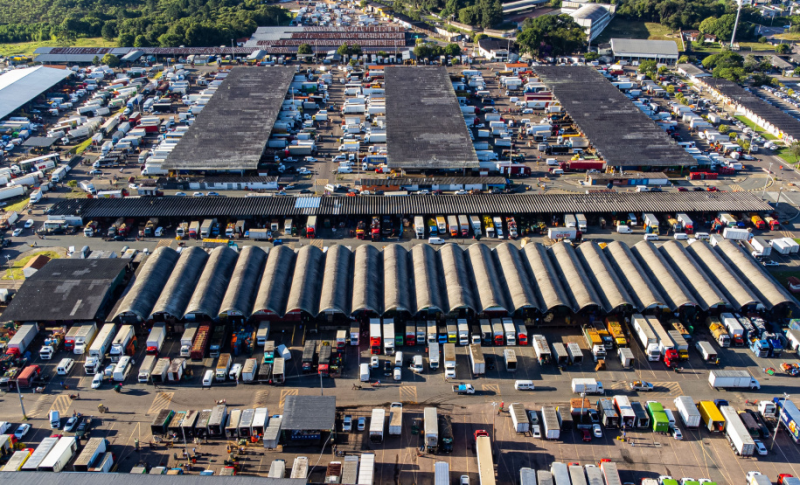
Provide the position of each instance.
(770, 263)
(17, 232)
(347, 424)
(362, 423)
(97, 381)
(159, 232)
(527, 111)
(676, 433)
(22, 430)
(597, 430)
(29, 224)
(304, 171)
(762, 450)
(397, 373)
(435, 240)
(461, 192)
(311, 159)
(180, 194)
(198, 194)
(133, 186)
(464, 480)
(374, 362)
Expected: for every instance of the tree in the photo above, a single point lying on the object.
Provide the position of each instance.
(662, 70)
(452, 50)
(794, 149)
(796, 71)
(469, 15)
(724, 59)
(671, 89)
(491, 12)
(125, 39)
(363, 3)
(591, 56)
(304, 49)
(683, 59)
(648, 67)
(95, 61)
(109, 30)
(735, 74)
(783, 48)
(723, 129)
(551, 35)
(110, 60)
(141, 41)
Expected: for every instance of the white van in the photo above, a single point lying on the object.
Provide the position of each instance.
(556, 171)
(523, 385)
(651, 237)
(623, 229)
(670, 417)
(552, 162)
(701, 235)
(65, 366)
(208, 378)
(364, 372)
(143, 156)
(55, 420)
(342, 169)
(398, 359)
(416, 365)
(284, 352)
(632, 218)
(681, 236)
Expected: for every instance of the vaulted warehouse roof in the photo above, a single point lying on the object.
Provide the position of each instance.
(367, 280)
(489, 288)
(428, 292)
(210, 290)
(242, 290)
(456, 278)
(642, 291)
(182, 282)
(662, 275)
(737, 293)
(606, 283)
(143, 293)
(307, 281)
(336, 280)
(704, 290)
(572, 275)
(274, 288)
(760, 281)
(516, 276)
(397, 286)
(547, 286)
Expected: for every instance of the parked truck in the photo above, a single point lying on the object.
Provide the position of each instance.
(101, 345)
(155, 340)
(735, 329)
(146, 368)
(542, 350)
(477, 360)
(21, 340)
(376, 425)
(52, 343)
(718, 331)
(187, 339)
(737, 434)
(431, 427)
(84, 338)
(647, 337)
(587, 385)
(396, 419)
(728, 379)
(123, 343)
(552, 423)
(483, 448)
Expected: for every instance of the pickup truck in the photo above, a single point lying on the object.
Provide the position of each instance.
(463, 389)
(641, 386)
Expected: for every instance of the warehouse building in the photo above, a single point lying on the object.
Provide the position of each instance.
(47, 478)
(23, 86)
(284, 40)
(86, 55)
(432, 183)
(638, 50)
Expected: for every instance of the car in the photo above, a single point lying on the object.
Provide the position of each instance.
(533, 417)
(311, 159)
(17, 232)
(304, 171)
(133, 186)
(464, 480)
(676, 433)
(374, 362)
(536, 431)
(306, 191)
(362, 423)
(397, 373)
(683, 189)
(159, 232)
(84, 427)
(198, 194)
(29, 224)
(71, 424)
(479, 125)
(213, 194)
(461, 192)
(180, 194)
(387, 368)
(347, 424)
(527, 111)
(770, 263)
(340, 158)
(22, 430)
(762, 450)
(289, 187)
(95, 172)
(597, 431)
(641, 386)
(587, 436)
(97, 381)
(435, 240)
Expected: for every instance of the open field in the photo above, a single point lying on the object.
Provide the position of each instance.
(620, 27)
(27, 48)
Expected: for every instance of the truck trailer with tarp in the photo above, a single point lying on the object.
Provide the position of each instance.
(201, 426)
(39, 454)
(94, 449)
(217, 420)
(272, 435)
(17, 461)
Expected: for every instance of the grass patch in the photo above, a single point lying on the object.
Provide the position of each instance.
(756, 128)
(786, 155)
(788, 36)
(783, 277)
(27, 48)
(15, 273)
(82, 147)
(17, 206)
(744, 47)
(632, 29)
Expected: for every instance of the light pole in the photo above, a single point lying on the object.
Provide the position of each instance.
(736, 22)
(769, 177)
(777, 422)
(21, 405)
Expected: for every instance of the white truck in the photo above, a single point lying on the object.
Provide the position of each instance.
(688, 411)
(376, 425)
(732, 379)
(647, 337)
(477, 360)
(396, 419)
(190, 330)
(22, 339)
(735, 329)
(552, 423)
(388, 336)
(61, 454)
(510, 331)
(97, 352)
(121, 342)
(146, 368)
(431, 426)
(449, 361)
(155, 340)
(475, 222)
(736, 432)
(463, 332)
(587, 385)
(419, 227)
(519, 418)
(84, 338)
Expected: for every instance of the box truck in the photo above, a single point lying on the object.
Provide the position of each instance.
(732, 379)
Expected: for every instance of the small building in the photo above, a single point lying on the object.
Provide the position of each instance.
(517, 67)
(692, 72)
(308, 419)
(697, 36)
(34, 265)
(637, 50)
(495, 49)
(628, 178)
(593, 17)
(431, 183)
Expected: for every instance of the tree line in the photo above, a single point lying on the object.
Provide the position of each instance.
(137, 23)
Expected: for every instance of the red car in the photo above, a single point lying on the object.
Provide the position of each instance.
(713, 189)
(587, 436)
(683, 189)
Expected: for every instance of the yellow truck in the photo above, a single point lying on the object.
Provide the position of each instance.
(711, 416)
(615, 329)
(719, 332)
(592, 337)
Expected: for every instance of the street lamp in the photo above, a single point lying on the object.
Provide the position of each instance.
(777, 422)
(769, 177)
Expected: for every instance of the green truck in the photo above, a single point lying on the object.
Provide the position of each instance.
(658, 417)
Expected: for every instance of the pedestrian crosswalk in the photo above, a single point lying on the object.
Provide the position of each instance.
(61, 404)
(161, 401)
(408, 394)
(491, 388)
(660, 389)
(284, 394)
(736, 188)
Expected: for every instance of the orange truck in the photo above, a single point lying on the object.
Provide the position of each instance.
(758, 222)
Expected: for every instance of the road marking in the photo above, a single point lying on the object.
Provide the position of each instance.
(261, 398)
(317, 242)
(660, 389)
(61, 404)
(284, 393)
(408, 394)
(495, 388)
(736, 188)
(86, 381)
(161, 401)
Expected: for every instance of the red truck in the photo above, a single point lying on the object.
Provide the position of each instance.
(200, 344)
(28, 376)
(671, 358)
(583, 165)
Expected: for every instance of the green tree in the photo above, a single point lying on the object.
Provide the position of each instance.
(723, 129)
(724, 59)
(95, 61)
(783, 48)
(363, 3)
(304, 49)
(670, 89)
(662, 70)
(491, 13)
(452, 50)
(591, 56)
(551, 35)
(125, 39)
(469, 15)
(683, 59)
(794, 149)
(72, 184)
(109, 30)
(735, 74)
(141, 41)
(648, 67)
(110, 60)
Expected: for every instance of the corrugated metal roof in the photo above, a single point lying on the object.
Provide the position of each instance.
(718, 272)
(274, 288)
(92, 478)
(183, 280)
(769, 291)
(516, 277)
(592, 203)
(573, 277)
(630, 47)
(662, 275)
(606, 283)
(642, 291)
(397, 286)
(307, 281)
(456, 278)
(21, 86)
(213, 283)
(367, 280)
(547, 285)
(488, 288)
(705, 292)
(428, 181)
(149, 283)
(426, 279)
(337, 280)
(244, 284)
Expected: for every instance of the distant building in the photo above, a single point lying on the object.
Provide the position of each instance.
(593, 17)
(662, 51)
(692, 72)
(34, 265)
(494, 48)
(697, 36)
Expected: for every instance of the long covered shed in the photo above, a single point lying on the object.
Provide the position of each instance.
(148, 283)
(662, 275)
(175, 295)
(607, 284)
(642, 291)
(688, 271)
(717, 271)
(764, 285)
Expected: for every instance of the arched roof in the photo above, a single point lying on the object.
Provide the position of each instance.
(397, 286)
(516, 277)
(306, 282)
(547, 286)
(182, 281)
(456, 278)
(274, 288)
(718, 272)
(577, 285)
(489, 290)
(245, 281)
(703, 289)
(426, 279)
(642, 291)
(665, 279)
(606, 283)
(336, 280)
(367, 280)
(149, 282)
(209, 292)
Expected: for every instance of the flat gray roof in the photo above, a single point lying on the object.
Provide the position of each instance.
(425, 128)
(644, 47)
(20, 86)
(233, 129)
(621, 133)
(309, 413)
